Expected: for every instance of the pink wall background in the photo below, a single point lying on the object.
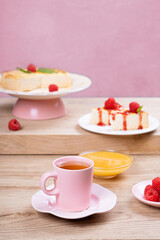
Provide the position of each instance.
(114, 42)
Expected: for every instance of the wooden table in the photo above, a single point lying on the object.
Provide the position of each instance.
(20, 173)
(65, 136)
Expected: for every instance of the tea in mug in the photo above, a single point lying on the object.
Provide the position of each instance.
(73, 165)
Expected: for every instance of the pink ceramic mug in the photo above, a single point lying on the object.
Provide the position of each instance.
(72, 187)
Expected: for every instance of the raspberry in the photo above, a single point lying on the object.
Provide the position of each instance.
(147, 188)
(14, 125)
(133, 106)
(110, 103)
(152, 195)
(31, 68)
(53, 88)
(156, 184)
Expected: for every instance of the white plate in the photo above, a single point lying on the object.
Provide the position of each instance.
(84, 123)
(102, 200)
(138, 192)
(79, 83)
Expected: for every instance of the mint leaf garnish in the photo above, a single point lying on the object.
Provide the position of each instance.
(23, 70)
(46, 70)
(139, 109)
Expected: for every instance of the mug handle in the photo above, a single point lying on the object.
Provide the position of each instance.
(45, 176)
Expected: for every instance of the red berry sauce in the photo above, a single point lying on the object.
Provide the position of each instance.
(100, 123)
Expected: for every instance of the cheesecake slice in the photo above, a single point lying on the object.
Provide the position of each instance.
(24, 81)
(102, 116)
(119, 117)
(130, 121)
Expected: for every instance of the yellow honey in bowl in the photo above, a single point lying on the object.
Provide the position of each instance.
(108, 164)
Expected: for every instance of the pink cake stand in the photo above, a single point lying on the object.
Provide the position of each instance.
(41, 104)
(39, 109)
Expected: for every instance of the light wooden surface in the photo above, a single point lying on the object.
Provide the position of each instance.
(130, 219)
(65, 136)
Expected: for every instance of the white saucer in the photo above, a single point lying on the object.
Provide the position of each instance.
(138, 192)
(102, 200)
(79, 83)
(84, 123)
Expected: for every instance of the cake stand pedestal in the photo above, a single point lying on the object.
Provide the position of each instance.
(39, 109)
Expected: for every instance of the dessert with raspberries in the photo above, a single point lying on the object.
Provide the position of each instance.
(102, 116)
(119, 117)
(31, 78)
(152, 192)
(132, 119)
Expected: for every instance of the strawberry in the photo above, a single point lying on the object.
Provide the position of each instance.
(14, 125)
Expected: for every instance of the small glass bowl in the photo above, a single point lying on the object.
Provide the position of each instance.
(108, 164)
